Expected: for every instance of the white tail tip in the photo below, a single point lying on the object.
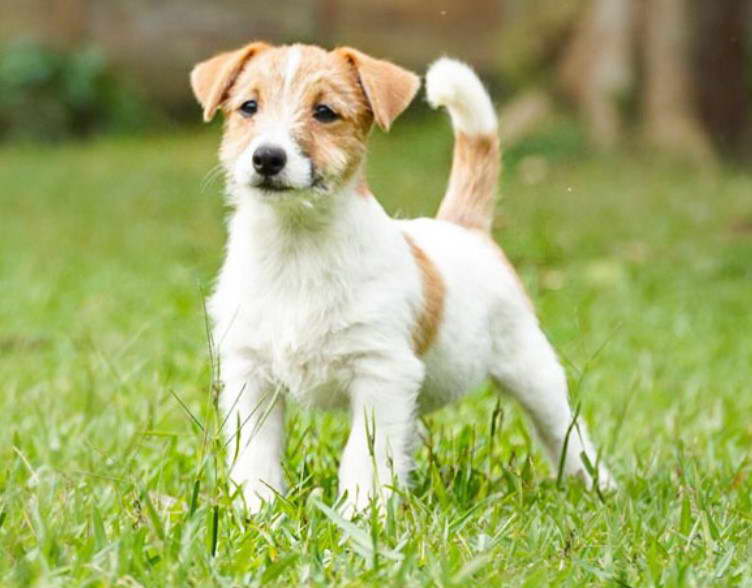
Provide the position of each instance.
(454, 85)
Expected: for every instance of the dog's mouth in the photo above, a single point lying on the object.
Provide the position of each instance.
(270, 185)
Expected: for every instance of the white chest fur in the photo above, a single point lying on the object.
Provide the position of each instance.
(299, 304)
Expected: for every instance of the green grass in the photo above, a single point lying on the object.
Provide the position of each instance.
(641, 272)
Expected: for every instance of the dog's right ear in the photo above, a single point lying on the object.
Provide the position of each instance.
(212, 79)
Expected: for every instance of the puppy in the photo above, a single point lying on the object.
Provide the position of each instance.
(325, 299)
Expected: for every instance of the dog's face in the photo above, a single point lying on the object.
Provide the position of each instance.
(297, 117)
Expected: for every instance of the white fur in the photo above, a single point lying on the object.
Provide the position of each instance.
(317, 301)
(454, 85)
(291, 67)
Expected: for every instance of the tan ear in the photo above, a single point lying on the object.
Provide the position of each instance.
(212, 79)
(388, 87)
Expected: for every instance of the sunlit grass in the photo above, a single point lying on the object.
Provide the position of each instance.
(641, 272)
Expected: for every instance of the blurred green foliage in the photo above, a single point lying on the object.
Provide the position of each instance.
(48, 94)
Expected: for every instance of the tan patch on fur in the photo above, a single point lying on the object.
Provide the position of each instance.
(362, 189)
(428, 321)
(388, 87)
(470, 196)
(212, 79)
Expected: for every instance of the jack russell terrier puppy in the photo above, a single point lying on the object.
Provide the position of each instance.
(326, 299)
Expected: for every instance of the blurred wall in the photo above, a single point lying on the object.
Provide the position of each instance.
(158, 41)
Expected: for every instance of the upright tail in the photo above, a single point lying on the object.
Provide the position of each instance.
(470, 195)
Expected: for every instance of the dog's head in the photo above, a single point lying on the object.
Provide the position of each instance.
(297, 117)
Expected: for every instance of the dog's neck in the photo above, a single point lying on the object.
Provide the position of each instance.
(304, 236)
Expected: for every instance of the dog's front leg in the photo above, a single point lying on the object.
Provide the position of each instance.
(379, 450)
(253, 414)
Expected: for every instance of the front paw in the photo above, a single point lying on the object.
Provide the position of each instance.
(355, 501)
(360, 495)
(257, 493)
(605, 481)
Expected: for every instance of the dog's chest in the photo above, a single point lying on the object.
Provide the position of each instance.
(306, 352)
(300, 341)
(306, 310)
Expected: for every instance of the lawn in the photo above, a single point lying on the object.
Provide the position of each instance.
(110, 471)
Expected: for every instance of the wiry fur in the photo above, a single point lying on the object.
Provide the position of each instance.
(325, 299)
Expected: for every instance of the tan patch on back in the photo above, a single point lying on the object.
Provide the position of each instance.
(428, 321)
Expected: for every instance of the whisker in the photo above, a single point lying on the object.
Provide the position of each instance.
(214, 173)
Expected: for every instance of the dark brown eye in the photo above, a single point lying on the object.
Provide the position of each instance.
(324, 114)
(249, 108)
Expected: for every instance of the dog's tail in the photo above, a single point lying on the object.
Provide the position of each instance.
(470, 195)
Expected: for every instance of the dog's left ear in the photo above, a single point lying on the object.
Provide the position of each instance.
(388, 87)
(212, 79)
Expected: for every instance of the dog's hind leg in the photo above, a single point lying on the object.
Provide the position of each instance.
(527, 367)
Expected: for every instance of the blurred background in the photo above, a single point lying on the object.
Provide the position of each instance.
(626, 207)
(673, 74)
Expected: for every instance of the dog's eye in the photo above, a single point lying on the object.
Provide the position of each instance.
(324, 114)
(249, 108)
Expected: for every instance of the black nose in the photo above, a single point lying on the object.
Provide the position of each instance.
(269, 161)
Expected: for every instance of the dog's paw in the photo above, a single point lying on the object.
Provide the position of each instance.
(355, 501)
(257, 494)
(604, 481)
(350, 509)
